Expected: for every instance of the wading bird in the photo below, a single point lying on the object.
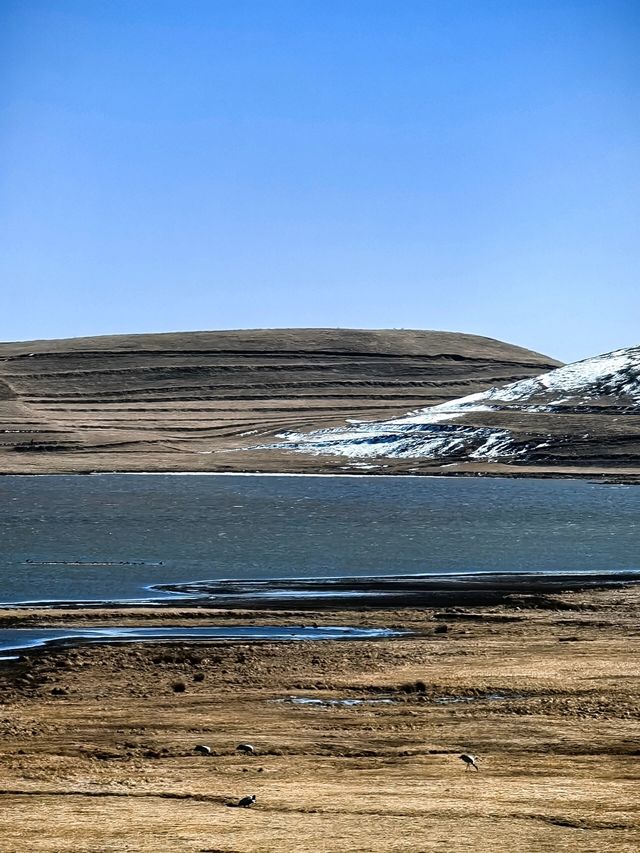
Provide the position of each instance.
(202, 749)
(247, 802)
(247, 748)
(469, 760)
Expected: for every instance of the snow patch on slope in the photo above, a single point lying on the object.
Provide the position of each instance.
(612, 374)
(433, 434)
(385, 439)
(615, 374)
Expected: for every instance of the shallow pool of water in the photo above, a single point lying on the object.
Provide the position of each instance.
(24, 638)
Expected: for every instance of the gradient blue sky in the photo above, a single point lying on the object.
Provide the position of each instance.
(468, 165)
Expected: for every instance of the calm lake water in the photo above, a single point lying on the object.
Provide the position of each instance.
(142, 530)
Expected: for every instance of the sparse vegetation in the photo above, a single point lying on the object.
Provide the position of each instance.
(112, 765)
(109, 403)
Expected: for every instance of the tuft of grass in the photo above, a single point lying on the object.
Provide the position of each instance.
(413, 687)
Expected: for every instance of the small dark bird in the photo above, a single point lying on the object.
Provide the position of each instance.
(202, 749)
(247, 748)
(469, 760)
(247, 802)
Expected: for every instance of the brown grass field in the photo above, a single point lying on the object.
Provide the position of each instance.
(97, 749)
(202, 401)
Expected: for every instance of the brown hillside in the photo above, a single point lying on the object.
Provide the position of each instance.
(170, 401)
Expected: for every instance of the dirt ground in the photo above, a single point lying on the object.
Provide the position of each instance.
(97, 743)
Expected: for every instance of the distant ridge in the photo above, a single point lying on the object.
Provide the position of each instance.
(172, 401)
(394, 341)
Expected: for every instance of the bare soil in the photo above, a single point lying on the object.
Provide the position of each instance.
(97, 750)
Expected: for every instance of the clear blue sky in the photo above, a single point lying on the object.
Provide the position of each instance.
(467, 165)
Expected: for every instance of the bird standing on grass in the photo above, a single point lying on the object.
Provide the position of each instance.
(469, 760)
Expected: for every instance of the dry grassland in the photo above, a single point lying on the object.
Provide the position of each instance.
(200, 401)
(97, 747)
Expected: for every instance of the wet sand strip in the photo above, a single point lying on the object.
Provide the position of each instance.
(462, 590)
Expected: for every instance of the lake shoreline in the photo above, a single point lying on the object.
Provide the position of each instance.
(467, 589)
(494, 472)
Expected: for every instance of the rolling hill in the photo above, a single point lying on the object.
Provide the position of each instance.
(201, 401)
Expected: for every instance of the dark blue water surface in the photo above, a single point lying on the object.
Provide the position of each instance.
(144, 530)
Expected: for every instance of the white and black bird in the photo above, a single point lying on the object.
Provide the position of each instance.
(247, 748)
(247, 802)
(469, 760)
(201, 749)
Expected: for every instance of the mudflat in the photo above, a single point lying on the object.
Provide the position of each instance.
(357, 742)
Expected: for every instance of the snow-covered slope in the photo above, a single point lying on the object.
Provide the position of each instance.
(610, 380)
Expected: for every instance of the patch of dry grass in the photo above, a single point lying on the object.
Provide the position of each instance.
(108, 764)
